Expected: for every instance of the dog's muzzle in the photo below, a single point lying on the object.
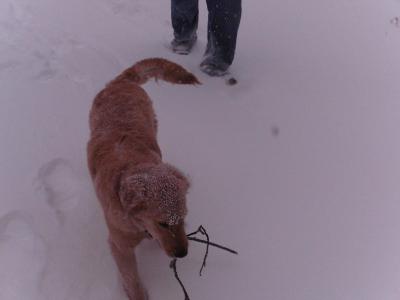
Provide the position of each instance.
(181, 252)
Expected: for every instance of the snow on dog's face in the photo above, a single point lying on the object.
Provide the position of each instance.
(155, 196)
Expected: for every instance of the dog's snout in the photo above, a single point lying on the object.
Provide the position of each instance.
(180, 253)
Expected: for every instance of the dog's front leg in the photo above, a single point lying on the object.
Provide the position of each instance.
(126, 262)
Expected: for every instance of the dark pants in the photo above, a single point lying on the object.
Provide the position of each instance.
(223, 25)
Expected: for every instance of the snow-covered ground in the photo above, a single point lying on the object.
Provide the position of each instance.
(297, 167)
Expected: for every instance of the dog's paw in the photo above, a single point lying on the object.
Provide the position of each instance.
(139, 293)
(146, 296)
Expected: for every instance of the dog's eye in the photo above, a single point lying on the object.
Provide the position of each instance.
(163, 225)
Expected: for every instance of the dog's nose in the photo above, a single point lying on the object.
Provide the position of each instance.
(179, 253)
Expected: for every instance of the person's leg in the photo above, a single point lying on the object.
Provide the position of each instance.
(223, 25)
(185, 17)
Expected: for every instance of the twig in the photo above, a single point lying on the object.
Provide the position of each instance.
(172, 265)
(190, 237)
(203, 232)
(213, 244)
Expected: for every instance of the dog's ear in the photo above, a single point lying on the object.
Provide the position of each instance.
(182, 180)
(132, 193)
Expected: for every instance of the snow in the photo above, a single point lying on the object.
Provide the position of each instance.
(296, 166)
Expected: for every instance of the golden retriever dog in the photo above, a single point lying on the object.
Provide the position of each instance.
(141, 196)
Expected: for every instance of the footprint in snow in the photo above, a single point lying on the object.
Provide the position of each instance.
(23, 256)
(395, 21)
(58, 181)
(125, 7)
(44, 64)
(7, 65)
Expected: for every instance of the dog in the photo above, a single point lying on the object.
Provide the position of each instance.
(141, 196)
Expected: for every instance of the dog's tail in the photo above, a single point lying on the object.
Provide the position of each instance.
(157, 68)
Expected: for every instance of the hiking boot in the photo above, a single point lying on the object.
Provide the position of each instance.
(214, 67)
(183, 47)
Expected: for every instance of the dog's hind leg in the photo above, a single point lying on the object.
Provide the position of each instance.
(126, 262)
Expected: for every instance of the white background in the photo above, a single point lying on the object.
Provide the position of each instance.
(297, 167)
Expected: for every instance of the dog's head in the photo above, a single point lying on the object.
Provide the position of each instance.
(155, 196)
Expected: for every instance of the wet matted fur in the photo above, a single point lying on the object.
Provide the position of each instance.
(141, 196)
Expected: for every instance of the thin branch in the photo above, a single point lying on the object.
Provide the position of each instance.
(202, 230)
(213, 244)
(208, 243)
(173, 266)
